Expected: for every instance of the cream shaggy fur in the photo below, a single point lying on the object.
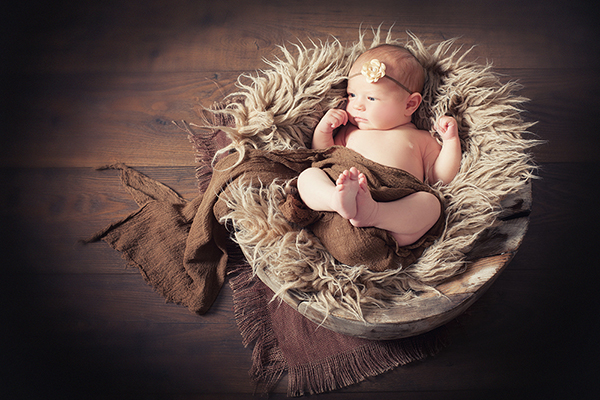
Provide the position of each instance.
(281, 106)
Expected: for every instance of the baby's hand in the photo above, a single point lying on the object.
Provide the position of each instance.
(447, 127)
(333, 119)
(323, 134)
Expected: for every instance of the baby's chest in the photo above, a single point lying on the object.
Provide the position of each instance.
(395, 152)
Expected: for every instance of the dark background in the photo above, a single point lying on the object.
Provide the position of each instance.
(88, 83)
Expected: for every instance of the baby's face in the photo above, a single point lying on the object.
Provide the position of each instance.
(376, 106)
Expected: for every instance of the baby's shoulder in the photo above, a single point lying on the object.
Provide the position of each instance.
(428, 146)
(422, 136)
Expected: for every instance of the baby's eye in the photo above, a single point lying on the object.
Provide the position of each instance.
(371, 98)
(351, 95)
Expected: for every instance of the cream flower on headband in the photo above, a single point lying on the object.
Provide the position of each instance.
(373, 70)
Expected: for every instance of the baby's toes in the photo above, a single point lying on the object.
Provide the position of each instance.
(362, 182)
(353, 173)
(342, 178)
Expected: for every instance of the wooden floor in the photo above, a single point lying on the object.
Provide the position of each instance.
(88, 83)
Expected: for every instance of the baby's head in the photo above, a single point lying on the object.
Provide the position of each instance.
(400, 65)
(384, 88)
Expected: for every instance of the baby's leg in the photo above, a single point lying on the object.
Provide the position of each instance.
(407, 219)
(320, 194)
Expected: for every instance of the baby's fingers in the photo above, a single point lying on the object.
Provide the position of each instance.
(446, 126)
(446, 121)
(337, 118)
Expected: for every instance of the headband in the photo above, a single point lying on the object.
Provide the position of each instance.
(374, 70)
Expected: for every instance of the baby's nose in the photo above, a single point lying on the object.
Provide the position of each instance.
(359, 105)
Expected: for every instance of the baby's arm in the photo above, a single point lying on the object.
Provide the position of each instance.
(447, 164)
(323, 135)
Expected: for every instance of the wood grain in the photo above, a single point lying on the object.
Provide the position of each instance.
(215, 36)
(88, 83)
(89, 120)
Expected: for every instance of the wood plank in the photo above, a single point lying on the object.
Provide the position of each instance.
(125, 359)
(88, 302)
(561, 102)
(47, 211)
(566, 198)
(194, 36)
(137, 350)
(90, 119)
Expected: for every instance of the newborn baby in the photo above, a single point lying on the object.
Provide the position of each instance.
(384, 88)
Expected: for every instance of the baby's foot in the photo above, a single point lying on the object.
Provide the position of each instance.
(366, 207)
(344, 196)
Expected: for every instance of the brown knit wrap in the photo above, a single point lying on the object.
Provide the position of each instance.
(372, 247)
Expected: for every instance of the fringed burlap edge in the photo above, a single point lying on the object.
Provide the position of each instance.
(372, 358)
(254, 322)
(364, 362)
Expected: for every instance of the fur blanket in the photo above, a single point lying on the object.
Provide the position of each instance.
(278, 108)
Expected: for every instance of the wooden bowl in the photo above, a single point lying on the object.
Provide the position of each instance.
(489, 257)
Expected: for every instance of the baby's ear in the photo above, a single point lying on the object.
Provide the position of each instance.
(413, 102)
